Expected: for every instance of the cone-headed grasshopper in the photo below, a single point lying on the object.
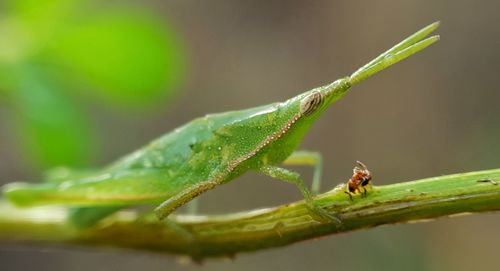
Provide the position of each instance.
(213, 150)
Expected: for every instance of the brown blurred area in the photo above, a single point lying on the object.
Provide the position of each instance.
(435, 113)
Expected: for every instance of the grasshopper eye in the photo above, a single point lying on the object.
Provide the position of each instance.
(310, 103)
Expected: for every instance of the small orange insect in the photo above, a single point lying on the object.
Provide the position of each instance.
(361, 177)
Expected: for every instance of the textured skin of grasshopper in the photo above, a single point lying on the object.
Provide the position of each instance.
(207, 151)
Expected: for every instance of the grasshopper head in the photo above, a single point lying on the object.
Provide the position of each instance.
(313, 102)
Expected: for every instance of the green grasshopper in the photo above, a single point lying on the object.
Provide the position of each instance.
(210, 151)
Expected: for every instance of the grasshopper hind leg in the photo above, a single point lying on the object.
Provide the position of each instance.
(294, 178)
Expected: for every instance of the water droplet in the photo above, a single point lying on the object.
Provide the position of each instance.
(219, 148)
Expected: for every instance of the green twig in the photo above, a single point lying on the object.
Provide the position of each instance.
(225, 235)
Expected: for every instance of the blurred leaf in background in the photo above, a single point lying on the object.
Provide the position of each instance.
(55, 50)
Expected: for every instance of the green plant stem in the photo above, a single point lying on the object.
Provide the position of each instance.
(225, 235)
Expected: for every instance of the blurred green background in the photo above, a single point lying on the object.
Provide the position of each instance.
(85, 82)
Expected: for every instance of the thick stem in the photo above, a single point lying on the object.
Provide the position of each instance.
(215, 236)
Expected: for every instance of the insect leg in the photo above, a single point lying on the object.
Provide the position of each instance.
(311, 158)
(193, 206)
(181, 198)
(294, 178)
(364, 191)
(85, 217)
(349, 194)
(188, 235)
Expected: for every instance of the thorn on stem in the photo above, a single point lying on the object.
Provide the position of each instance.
(493, 182)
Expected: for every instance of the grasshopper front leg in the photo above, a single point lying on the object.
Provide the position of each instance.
(181, 198)
(294, 178)
(308, 158)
